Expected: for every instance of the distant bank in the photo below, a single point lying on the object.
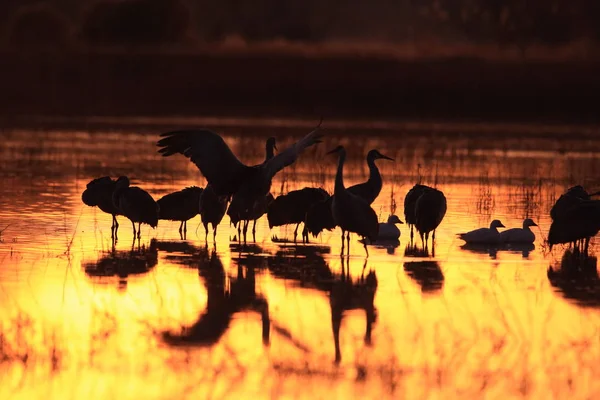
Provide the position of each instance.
(293, 86)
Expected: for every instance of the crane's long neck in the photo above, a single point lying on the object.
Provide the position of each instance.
(339, 176)
(374, 175)
(270, 152)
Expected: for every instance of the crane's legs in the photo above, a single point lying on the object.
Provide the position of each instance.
(205, 232)
(365, 244)
(139, 230)
(114, 228)
(296, 232)
(254, 230)
(215, 234)
(245, 230)
(181, 230)
(133, 225)
(587, 245)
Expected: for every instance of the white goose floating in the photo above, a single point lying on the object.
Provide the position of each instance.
(483, 235)
(519, 235)
(388, 230)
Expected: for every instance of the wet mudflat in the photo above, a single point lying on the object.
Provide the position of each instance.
(169, 318)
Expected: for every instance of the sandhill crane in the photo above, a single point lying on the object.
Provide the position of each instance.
(182, 205)
(99, 193)
(319, 217)
(221, 168)
(579, 222)
(136, 204)
(430, 210)
(572, 196)
(236, 212)
(519, 235)
(410, 202)
(243, 218)
(212, 209)
(484, 235)
(388, 230)
(351, 212)
(291, 208)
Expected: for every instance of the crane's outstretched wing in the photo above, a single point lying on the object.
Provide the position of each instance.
(289, 155)
(211, 155)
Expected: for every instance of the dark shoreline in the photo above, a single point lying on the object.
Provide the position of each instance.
(287, 85)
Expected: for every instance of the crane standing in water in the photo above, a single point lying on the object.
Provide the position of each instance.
(99, 192)
(212, 209)
(224, 172)
(351, 212)
(182, 205)
(136, 204)
(291, 208)
(238, 215)
(319, 217)
(430, 210)
(578, 224)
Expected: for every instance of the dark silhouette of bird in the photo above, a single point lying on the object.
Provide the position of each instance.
(519, 235)
(136, 204)
(410, 202)
(237, 213)
(181, 206)
(241, 220)
(319, 216)
(351, 212)
(291, 208)
(578, 223)
(212, 209)
(572, 196)
(224, 172)
(430, 209)
(99, 193)
(484, 235)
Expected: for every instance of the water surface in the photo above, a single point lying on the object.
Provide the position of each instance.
(168, 318)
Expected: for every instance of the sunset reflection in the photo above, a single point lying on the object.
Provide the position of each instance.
(169, 318)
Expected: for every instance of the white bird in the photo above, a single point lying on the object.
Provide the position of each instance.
(483, 235)
(519, 235)
(388, 230)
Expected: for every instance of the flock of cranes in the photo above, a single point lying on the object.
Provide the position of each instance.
(243, 193)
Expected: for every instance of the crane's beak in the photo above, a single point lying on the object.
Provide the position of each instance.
(501, 225)
(534, 224)
(334, 151)
(386, 157)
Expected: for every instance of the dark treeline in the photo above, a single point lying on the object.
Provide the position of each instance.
(148, 22)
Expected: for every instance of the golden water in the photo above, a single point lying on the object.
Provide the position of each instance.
(168, 318)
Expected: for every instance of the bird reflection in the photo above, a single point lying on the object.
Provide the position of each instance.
(413, 250)
(248, 255)
(493, 249)
(427, 274)
(390, 246)
(576, 278)
(348, 295)
(222, 303)
(303, 264)
(123, 263)
(183, 253)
